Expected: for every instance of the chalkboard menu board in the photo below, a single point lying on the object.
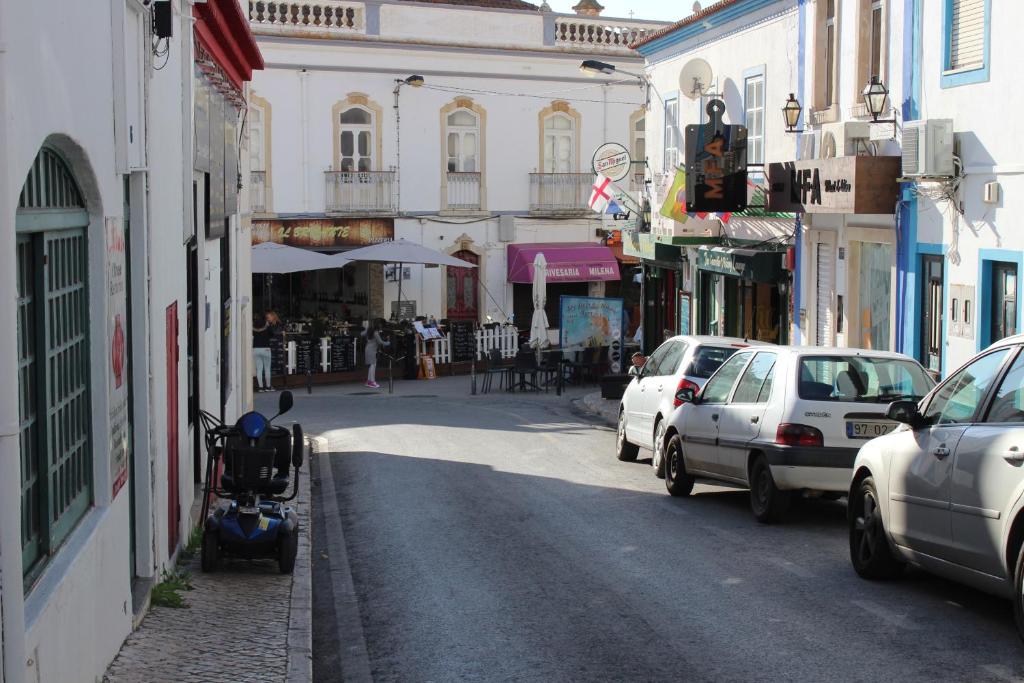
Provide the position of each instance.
(278, 356)
(306, 356)
(343, 354)
(463, 341)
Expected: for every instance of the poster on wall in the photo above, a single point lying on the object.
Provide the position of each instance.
(117, 333)
(589, 321)
(684, 313)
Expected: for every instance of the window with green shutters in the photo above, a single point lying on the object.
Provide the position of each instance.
(53, 360)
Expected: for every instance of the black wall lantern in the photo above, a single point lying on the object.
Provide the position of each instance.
(791, 114)
(876, 99)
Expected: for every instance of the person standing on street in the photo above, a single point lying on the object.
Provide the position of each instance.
(374, 342)
(261, 349)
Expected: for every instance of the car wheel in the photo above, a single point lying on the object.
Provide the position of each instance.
(766, 500)
(1018, 593)
(870, 553)
(624, 450)
(658, 460)
(209, 552)
(677, 481)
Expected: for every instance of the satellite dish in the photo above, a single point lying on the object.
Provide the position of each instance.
(695, 78)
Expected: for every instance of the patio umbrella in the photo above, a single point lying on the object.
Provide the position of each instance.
(270, 257)
(400, 252)
(539, 324)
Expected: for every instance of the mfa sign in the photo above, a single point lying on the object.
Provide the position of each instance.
(839, 185)
(612, 161)
(716, 164)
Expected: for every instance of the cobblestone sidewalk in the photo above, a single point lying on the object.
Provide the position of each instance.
(245, 622)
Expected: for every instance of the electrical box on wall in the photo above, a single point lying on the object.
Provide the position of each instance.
(991, 193)
(506, 228)
(163, 19)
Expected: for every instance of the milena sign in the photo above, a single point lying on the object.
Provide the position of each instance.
(583, 272)
(839, 185)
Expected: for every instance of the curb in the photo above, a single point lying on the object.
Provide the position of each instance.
(300, 613)
(596, 407)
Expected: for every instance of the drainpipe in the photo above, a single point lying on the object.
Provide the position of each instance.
(304, 104)
(12, 599)
(398, 151)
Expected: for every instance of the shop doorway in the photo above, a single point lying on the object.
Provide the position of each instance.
(708, 298)
(464, 288)
(1004, 301)
(933, 310)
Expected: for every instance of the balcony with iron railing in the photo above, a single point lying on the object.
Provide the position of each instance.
(560, 193)
(258, 191)
(463, 191)
(361, 192)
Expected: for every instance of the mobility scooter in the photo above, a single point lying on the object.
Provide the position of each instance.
(249, 468)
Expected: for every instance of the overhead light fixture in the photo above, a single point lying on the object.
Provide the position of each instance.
(415, 80)
(592, 67)
(791, 114)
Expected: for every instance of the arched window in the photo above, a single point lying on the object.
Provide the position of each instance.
(559, 143)
(55, 411)
(357, 140)
(463, 136)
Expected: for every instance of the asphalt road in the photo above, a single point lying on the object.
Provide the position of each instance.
(498, 537)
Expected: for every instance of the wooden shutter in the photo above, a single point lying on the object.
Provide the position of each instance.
(826, 280)
(967, 35)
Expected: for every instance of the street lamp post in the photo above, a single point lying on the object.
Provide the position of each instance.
(415, 81)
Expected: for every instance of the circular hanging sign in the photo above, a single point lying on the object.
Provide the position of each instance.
(612, 160)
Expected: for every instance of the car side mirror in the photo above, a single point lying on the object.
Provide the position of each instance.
(285, 403)
(686, 395)
(905, 412)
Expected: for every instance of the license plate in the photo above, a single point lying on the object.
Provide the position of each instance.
(856, 429)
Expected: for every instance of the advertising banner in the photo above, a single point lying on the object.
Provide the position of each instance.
(117, 336)
(590, 321)
(324, 233)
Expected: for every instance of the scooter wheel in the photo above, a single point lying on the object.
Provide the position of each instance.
(208, 559)
(287, 551)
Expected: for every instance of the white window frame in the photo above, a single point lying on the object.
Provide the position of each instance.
(670, 141)
(554, 134)
(748, 112)
(355, 129)
(461, 131)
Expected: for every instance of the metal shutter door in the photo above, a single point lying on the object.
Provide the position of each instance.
(967, 38)
(826, 279)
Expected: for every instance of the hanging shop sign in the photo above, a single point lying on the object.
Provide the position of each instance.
(748, 264)
(716, 164)
(612, 161)
(324, 233)
(117, 378)
(860, 184)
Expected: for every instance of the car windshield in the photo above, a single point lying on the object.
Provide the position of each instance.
(706, 360)
(861, 379)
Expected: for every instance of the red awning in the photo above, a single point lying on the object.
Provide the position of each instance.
(567, 262)
(222, 28)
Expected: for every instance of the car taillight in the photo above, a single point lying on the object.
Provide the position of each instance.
(684, 384)
(798, 435)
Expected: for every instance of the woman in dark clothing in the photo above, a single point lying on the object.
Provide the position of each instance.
(261, 349)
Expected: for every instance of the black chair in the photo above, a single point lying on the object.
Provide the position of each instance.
(592, 363)
(495, 366)
(525, 364)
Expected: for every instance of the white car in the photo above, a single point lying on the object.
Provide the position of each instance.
(650, 398)
(785, 419)
(945, 491)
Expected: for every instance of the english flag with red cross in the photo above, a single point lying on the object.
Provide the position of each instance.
(601, 199)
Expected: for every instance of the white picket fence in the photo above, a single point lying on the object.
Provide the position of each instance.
(505, 339)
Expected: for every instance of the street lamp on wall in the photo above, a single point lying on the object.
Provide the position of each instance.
(876, 99)
(414, 81)
(791, 114)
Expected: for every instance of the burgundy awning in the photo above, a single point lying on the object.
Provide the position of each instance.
(567, 262)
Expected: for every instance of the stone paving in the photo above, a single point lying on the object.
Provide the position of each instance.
(245, 622)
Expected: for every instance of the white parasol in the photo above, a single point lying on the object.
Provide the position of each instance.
(270, 257)
(539, 325)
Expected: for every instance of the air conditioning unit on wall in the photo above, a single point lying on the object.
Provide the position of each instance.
(928, 148)
(847, 137)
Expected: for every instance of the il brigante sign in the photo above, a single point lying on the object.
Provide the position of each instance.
(838, 185)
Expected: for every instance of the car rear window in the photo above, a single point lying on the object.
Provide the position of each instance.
(706, 360)
(861, 379)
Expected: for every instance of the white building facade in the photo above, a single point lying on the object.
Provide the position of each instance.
(492, 148)
(96, 207)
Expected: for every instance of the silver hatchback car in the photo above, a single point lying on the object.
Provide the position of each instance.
(945, 491)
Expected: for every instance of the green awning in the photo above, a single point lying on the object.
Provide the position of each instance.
(749, 264)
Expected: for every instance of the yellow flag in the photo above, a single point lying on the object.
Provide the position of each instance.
(674, 206)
